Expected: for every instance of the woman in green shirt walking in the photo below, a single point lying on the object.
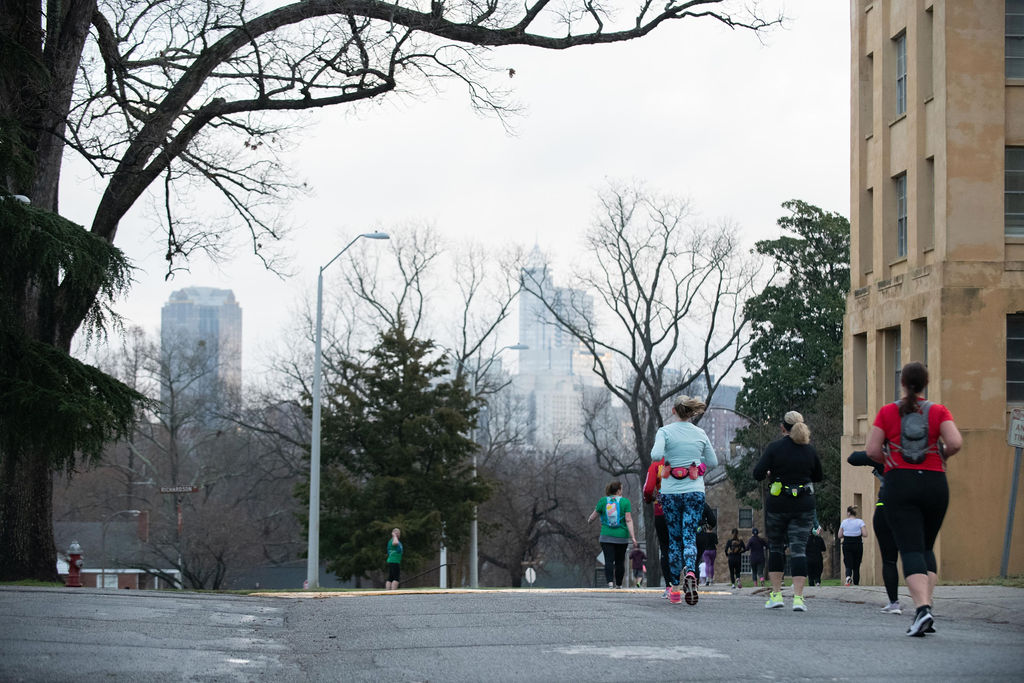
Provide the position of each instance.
(616, 532)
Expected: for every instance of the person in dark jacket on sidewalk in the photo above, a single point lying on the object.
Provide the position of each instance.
(708, 542)
(815, 563)
(734, 549)
(757, 547)
(638, 561)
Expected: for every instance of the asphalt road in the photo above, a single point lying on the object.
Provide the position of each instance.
(83, 634)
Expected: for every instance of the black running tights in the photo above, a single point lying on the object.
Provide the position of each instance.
(614, 562)
(915, 505)
(890, 553)
(853, 553)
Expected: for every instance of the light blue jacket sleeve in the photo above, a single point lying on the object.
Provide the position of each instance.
(658, 451)
(710, 459)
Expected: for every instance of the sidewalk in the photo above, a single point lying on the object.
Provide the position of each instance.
(995, 604)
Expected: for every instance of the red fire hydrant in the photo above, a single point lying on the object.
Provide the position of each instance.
(74, 566)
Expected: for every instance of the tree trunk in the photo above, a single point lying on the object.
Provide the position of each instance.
(26, 518)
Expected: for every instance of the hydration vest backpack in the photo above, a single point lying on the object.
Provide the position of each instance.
(611, 510)
(914, 435)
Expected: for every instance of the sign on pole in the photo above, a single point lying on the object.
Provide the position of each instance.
(531, 575)
(1015, 436)
(179, 489)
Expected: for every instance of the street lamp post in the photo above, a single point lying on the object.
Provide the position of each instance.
(103, 542)
(313, 551)
(474, 544)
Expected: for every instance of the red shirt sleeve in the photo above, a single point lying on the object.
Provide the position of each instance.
(651, 483)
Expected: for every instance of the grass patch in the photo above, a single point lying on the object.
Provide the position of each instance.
(33, 583)
(1013, 581)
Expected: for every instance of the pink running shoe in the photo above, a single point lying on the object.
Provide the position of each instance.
(690, 588)
(674, 596)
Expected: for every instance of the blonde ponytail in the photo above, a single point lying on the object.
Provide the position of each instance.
(798, 431)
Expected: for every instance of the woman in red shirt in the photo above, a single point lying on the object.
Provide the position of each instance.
(916, 492)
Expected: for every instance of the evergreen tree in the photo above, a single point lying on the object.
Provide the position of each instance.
(395, 453)
(55, 411)
(796, 354)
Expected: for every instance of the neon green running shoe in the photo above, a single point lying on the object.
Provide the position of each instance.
(774, 600)
(798, 604)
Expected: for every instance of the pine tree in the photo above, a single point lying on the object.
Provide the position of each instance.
(55, 411)
(395, 453)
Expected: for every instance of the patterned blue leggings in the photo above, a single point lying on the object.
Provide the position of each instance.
(682, 516)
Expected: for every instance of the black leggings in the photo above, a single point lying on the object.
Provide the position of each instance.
(853, 553)
(814, 568)
(887, 546)
(614, 561)
(661, 529)
(916, 502)
(735, 562)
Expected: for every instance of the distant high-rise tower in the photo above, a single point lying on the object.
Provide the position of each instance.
(556, 371)
(201, 341)
(553, 351)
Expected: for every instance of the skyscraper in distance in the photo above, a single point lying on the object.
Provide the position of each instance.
(555, 371)
(201, 334)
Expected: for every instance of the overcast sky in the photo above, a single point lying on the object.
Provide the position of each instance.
(735, 124)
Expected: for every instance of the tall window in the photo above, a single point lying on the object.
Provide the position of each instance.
(926, 207)
(860, 374)
(867, 96)
(866, 231)
(746, 518)
(901, 74)
(901, 216)
(919, 343)
(1015, 38)
(1015, 358)
(1013, 192)
(897, 351)
(926, 54)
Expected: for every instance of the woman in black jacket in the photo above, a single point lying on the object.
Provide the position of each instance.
(792, 464)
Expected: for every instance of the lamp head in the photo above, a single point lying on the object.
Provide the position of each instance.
(519, 347)
(376, 235)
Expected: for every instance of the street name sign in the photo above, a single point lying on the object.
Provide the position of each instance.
(179, 489)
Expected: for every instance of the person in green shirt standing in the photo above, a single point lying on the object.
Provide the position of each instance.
(394, 560)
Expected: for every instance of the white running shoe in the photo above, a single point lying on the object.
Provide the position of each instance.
(893, 608)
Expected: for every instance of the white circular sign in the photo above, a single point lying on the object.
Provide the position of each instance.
(531, 575)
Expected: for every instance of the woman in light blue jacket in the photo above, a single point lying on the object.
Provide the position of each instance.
(688, 455)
